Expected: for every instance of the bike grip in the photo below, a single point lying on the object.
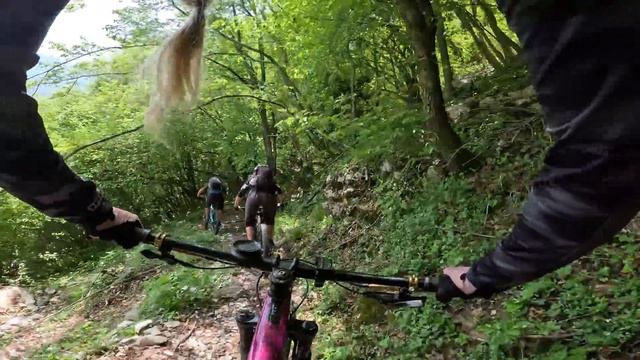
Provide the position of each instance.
(429, 284)
(447, 290)
(142, 235)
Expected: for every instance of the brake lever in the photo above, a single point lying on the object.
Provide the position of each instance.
(415, 304)
(397, 299)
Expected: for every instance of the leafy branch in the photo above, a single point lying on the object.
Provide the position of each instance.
(110, 137)
(212, 100)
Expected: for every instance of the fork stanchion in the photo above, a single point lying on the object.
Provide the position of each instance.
(247, 321)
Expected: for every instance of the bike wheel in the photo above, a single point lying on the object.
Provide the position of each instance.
(267, 244)
(213, 221)
(258, 236)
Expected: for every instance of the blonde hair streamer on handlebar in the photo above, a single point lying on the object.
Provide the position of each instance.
(177, 67)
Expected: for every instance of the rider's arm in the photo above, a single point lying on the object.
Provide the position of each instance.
(580, 201)
(588, 189)
(29, 167)
(201, 191)
(241, 193)
(244, 190)
(32, 171)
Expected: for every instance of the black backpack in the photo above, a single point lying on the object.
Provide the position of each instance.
(215, 185)
(264, 179)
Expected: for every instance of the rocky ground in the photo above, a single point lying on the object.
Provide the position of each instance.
(29, 321)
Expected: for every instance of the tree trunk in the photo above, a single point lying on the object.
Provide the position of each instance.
(266, 135)
(482, 46)
(262, 110)
(274, 138)
(422, 33)
(510, 48)
(443, 50)
(482, 31)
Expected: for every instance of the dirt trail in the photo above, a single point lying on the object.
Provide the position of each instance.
(205, 336)
(37, 335)
(200, 336)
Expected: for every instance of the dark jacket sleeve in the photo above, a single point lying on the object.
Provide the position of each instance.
(31, 170)
(582, 58)
(580, 201)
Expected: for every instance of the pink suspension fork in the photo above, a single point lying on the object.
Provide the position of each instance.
(270, 341)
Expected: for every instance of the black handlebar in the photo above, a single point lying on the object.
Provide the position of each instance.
(318, 271)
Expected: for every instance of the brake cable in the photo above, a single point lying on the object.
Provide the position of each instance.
(258, 288)
(172, 260)
(304, 298)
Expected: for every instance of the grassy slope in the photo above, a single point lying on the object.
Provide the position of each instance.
(582, 311)
(121, 279)
(426, 221)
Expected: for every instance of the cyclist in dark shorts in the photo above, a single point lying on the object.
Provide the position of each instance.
(213, 193)
(260, 190)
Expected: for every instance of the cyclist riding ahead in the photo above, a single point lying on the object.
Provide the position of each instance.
(261, 191)
(583, 59)
(213, 193)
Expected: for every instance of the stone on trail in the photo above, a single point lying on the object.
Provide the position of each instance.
(13, 298)
(42, 301)
(457, 111)
(50, 291)
(142, 325)
(129, 340)
(14, 324)
(172, 324)
(489, 102)
(151, 340)
(124, 324)
(229, 292)
(153, 331)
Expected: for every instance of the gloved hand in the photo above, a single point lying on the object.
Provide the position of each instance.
(119, 228)
(454, 284)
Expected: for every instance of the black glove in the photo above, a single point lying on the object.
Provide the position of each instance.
(447, 290)
(123, 234)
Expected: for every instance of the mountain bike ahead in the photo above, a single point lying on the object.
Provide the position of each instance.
(275, 333)
(261, 233)
(213, 223)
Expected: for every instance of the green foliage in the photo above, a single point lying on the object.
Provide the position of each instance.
(328, 85)
(91, 338)
(421, 232)
(181, 291)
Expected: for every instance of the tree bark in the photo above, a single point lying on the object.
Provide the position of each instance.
(478, 40)
(264, 119)
(421, 26)
(266, 136)
(510, 48)
(443, 50)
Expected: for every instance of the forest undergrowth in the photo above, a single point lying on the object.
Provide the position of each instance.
(421, 221)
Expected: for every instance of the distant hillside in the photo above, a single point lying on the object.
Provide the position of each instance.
(46, 90)
(45, 63)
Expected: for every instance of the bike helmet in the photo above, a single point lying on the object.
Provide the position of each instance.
(255, 169)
